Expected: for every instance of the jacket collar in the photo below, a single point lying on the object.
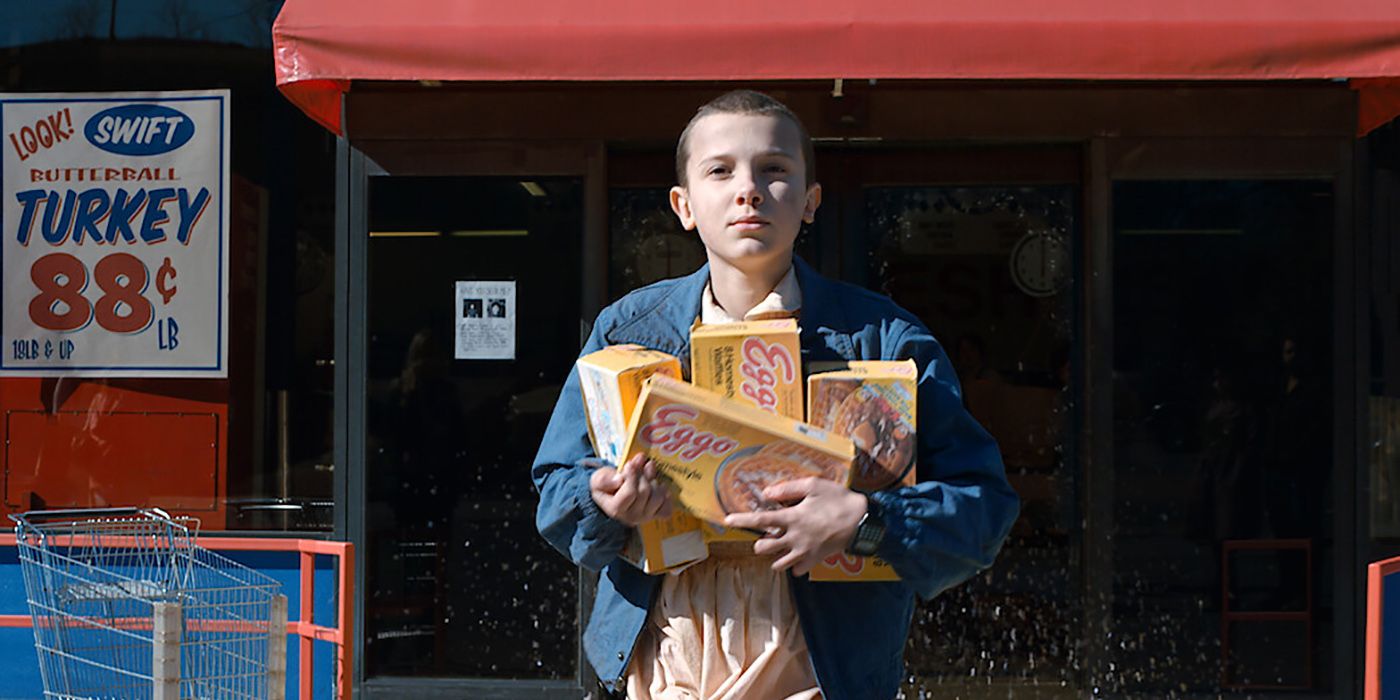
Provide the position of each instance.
(821, 305)
(666, 324)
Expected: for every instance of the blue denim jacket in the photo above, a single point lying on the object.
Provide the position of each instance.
(938, 532)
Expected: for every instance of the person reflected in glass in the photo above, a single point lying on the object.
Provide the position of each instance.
(982, 384)
(1228, 485)
(1295, 448)
(429, 433)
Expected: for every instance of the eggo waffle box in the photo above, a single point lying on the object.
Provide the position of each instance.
(611, 380)
(669, 545)
(718, 533)
(850, 568)
(754, 362)
(758, 362)
(874, 404)
(719, 454)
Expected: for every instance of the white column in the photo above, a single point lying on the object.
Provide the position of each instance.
(277, 650)
(165, 638)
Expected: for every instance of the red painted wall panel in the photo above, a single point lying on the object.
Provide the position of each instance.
(95, 442)
(74, 459)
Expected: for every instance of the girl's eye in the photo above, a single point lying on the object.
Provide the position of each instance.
(780, 169)
(717, 170)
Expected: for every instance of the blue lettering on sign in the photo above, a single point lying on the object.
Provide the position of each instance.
(93, 207)
(25, 349)
(168, 334)
(94, 215)
(139, 130)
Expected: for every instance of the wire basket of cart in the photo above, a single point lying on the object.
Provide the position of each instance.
(125, 604)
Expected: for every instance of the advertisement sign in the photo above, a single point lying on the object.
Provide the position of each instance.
(114, 255)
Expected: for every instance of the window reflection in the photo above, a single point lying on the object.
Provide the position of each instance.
(255, 451)
(1222, 387)
(1385, 466)
(249, 452)
(648, 243)
(459, 582)
(242, 22)
(988, 269)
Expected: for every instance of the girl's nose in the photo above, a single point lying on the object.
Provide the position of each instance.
(748, 193)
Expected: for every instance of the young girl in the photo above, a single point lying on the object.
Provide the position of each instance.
(746, 622)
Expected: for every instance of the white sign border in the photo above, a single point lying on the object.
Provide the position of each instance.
(219, 370)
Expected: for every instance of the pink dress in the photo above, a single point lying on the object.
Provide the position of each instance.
(725, 628)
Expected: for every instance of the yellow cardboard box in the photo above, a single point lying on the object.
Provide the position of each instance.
(659, 546)
(849, 568)
(758, 362)
(874, 404)
(754, 362)
(611, 380)
(719, 454)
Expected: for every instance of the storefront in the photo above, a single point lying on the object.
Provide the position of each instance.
(1150, 243)
(1157, 247)
(222, 450)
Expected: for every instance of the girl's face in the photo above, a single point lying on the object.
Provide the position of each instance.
(746, 193)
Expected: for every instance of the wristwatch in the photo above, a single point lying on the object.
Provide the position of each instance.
(870, 531)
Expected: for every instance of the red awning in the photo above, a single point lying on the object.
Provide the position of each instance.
(322, 45)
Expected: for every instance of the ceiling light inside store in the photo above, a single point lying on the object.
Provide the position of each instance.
(533, 188)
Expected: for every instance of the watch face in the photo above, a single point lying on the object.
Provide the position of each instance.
(1040, 264)
(868, 535)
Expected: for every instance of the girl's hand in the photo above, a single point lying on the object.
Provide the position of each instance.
(633, 495)
(820, 522)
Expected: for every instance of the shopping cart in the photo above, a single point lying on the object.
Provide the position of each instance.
(126, 605)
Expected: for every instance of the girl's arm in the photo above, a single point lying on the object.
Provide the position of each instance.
(567, 515)
(939, 531)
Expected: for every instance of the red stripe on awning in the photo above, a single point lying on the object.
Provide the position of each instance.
(321, 45)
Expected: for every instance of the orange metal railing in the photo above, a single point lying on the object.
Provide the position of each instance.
(1375, 597)
(1230, 616)
(307, 631)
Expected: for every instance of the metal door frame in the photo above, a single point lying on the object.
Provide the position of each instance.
(356, 162)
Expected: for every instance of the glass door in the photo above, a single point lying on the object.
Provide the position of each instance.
(473, 322)
(1223, 464)
(981, 245)
(988, 270)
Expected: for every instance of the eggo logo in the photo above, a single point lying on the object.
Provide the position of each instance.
(848, 563)
(671, 432)
(762, 366)
(139, 130)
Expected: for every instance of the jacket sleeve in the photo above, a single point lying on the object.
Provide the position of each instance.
(567, 516)
(950, 524)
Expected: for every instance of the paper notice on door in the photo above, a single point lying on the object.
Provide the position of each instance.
(485, 320)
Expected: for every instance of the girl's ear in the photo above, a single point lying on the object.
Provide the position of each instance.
(814, 200)
(680, 204)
